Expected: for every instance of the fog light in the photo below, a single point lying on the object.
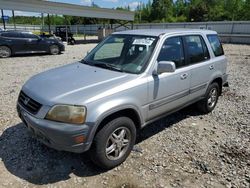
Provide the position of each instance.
(79, 139)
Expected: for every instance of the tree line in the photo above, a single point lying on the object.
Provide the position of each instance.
(192, 10)
(155, 11)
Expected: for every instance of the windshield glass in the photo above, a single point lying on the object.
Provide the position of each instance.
(124, 53)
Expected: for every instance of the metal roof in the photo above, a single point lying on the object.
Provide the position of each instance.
(42, 6)
(158, 32)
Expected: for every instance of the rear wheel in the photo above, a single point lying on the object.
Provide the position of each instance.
(113, 143)
(209, 102)
(72, 41)
(5, 52)
(54, 50)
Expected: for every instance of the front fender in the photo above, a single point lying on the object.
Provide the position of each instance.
(106, 109)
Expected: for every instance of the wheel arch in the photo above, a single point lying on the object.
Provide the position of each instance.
(219, 81)
(9, 46)
(129, 112)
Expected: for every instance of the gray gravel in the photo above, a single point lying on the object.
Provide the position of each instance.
(186, 149)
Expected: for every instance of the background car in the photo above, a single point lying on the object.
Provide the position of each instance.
(23, 42)
(63, 31)
(50, 36)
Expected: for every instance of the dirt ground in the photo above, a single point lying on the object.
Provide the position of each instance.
(185, 149)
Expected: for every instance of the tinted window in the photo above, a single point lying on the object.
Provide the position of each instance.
(216, 45)
(30, 36)
(172, 50)
(11, 35)
(196, 48)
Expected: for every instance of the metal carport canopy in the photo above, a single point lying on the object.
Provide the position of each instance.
(41, 6)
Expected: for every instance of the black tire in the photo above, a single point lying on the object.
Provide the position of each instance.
(103, 144)
(72, 41)
(5, 52)
(211, 98)
(54, 49)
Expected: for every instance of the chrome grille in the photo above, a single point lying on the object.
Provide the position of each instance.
(28, 103)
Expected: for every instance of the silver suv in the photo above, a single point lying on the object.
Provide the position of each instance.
(127, 81)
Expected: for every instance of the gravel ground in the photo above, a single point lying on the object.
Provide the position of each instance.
(186, 149)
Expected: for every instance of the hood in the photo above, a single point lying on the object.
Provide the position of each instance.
(73, 84)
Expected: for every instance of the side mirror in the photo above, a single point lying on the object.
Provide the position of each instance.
(165, 66)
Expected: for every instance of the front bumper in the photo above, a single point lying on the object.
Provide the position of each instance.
(61, 47)
(59, 136)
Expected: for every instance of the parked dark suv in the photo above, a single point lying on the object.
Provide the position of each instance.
(23, 42)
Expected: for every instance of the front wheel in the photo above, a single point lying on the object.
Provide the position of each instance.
(5, 52)
(209, 102)
(54, 50)
(113, 143)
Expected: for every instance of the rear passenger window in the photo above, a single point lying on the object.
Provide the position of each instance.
(11, 35)
(172, 50)
(216, 45)
(196, 48)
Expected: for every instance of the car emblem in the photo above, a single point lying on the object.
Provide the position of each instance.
(26, 101)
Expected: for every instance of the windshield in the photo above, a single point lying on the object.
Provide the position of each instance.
(124, 53)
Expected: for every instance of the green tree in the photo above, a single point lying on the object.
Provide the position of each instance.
(198, 11)
(233, 9)
(162, 10)
(180, 10)
(245, 14)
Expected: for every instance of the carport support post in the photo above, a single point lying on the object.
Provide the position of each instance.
(67, 39)
(49, 24)
(3, 20)
(42, 23)
(14, 20)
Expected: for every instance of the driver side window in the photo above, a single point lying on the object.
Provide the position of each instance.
(172, 50)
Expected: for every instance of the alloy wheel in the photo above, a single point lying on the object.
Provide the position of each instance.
(118, 143)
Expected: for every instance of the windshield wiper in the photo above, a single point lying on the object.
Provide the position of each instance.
(107, 66)
(85, 62)
(102, 65)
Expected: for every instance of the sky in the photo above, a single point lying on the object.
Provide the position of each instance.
(106, 3)
(101, 3)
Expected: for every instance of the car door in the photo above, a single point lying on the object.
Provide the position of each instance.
(168, 91)
(202, 67)
(15, 40)
(33, 43)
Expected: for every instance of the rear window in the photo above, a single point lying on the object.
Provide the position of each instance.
(216, 45)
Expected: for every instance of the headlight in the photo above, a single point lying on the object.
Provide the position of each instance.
(67, 114)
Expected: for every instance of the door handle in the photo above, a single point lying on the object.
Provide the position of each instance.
(211, 67)
(184, 76)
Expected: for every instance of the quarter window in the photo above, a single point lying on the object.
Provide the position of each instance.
(172, 50)
(216, 45)
(196, 48)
